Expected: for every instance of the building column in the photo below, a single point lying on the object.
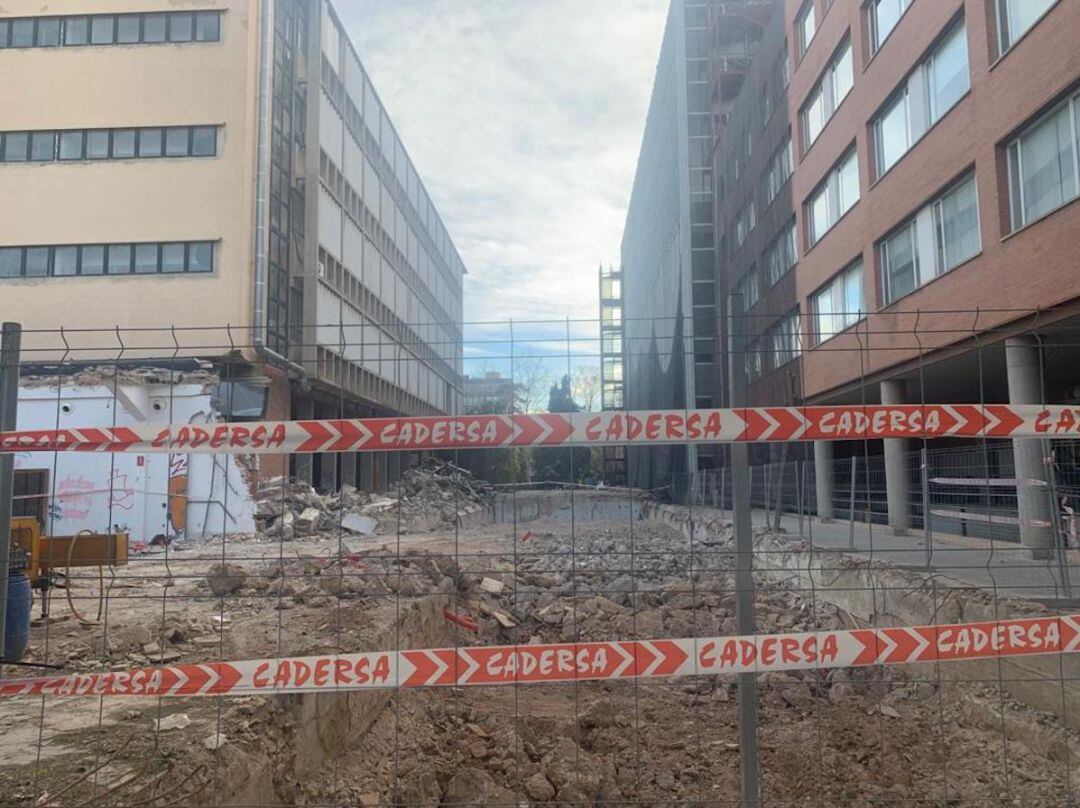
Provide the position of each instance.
(381, 483)
(1033, 500)
(367, 471)
(897, 487)
(305, 411)
(393, 467)
(823, 479)
(348, 469)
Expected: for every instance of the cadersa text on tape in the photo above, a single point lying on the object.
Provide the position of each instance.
(345, 672)
(793, 651)
(1008, 639)
(616, 427)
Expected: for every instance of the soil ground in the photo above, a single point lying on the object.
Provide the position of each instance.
(867, 737)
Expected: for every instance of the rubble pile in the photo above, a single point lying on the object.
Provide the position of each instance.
(431, 496)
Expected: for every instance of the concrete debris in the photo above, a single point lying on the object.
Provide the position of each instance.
(225, 578)
(174, 721)
(492, 586)
(434, 495)
(215, 742)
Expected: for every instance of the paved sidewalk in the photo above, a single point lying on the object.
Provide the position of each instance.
(1004, 566)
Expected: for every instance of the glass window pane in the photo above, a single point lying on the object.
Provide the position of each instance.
(76, 31)
(119, 259)
(960, 225)
(149, 143)
(815, 117)
(843, 76)
(127, 29)
(892, 135)
(207, 26)
(101, 30)
(823, 314)
(201, 257)
(886, 15)
(807, 25)
(5, 30)
(123, 143)
(71, 145)
(37, 262)
(901, 271)
(48, 32)
(146, 258)
(92, 260)
(949, 75)
(97, 145)
(1049, 171)
(176, 142)
(15, 146)
(204, 141)
(154, 27)
(853, 295)
(180, 26)
(43, 146)
(849, 184)
(22, 33)
(819, 216)
(65, 260)
(10, 262)
(1017, 16)
(172, 257)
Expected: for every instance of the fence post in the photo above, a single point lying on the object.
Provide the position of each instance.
(723, 488)
(9, 402)
(928, 535)
(851, 506)
(800, 482)
(1060, 536)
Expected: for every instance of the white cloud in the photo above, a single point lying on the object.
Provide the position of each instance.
(524, 118)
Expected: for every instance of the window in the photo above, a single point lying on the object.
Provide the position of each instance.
(833, 198)
(934, 87)
(744, 224)
(753, 361)
(66, 261)
(71, 145)
(785, 339)
(884, 15)
(76, 31)
(780, 256)
(177, 142)
(15, 146)
(147, 258)
(806, 25)
(10, 262)
(1043, 170)
(204, 141)
(36, 262)
(835, 83)
(120, 259)
(91, 260)
(123, 143)
(938, 238)
(149, 143)
(127, 29)
(172, 258)
(43, 146)
(839, 304)
(48, 32)
(778, 171)
(102, 30)
(747, 291)
(97, 145)
(1015, 17)
(110, 29)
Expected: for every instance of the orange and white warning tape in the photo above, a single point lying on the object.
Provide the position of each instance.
(655, 427)
(567, 662)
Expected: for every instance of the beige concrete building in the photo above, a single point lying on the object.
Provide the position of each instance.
(222, 180)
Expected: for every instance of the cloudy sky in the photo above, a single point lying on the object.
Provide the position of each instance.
(524, 117)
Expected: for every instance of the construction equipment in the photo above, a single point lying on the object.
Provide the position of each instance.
(55, 561)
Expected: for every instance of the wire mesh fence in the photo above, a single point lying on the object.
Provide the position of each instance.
(218, 624)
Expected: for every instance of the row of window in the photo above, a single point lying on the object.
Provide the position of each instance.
(108, 144)
(832, 88)
(782, 343)
(173, 257)
(110, 29)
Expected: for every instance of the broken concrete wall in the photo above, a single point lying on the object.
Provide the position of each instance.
(179, 495)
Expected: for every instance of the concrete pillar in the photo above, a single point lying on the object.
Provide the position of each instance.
(393, 467)
(305, 411)
(823, 479)
(381, 483)
(348, 468)
(1034, 505)
(367, 471)
(897, 485)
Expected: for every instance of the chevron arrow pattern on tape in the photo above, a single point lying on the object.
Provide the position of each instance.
(655, 427)
(470, 666)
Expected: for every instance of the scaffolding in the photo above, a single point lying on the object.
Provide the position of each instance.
(611, 365)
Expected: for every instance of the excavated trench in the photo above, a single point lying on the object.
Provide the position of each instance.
(566, 568)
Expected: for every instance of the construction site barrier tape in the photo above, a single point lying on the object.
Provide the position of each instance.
(651, 427)
(583, 661)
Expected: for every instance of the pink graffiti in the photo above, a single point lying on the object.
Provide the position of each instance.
(121, 494)
(73, 494)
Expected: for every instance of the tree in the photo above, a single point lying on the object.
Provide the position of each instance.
(585, 384)
(556, 463)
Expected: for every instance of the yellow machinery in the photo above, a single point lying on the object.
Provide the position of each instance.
(55, 560)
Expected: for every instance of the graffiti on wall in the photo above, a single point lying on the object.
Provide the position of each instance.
(73, 497)
(178, 494)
